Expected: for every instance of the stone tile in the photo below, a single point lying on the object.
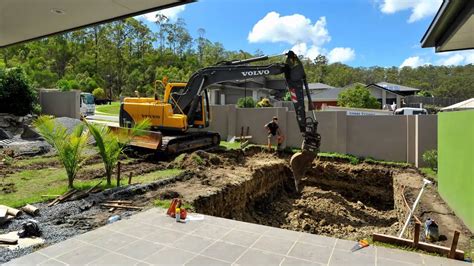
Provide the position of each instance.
(164, 236)
(342, 257)
(113, 259)
(347, 245)
(224, 251)
(438, 261)
(155, 219)
(52, 262)
(253, 228)
(211, 231)
(170, 255)
(387, 262)
(114, 241)
(229, 223)
(188, 227)
(276, 245)
(93, 235)
(296, 262)
(193, 243)
(30, 259)
(141, 263)
(82, 255)
(319, 254)
(137, 230)
(283, 234)
(258, 257)
(201, 260)
(62, 247)
(140, 249)
(242, 238)
(400, 255)
(317, 240)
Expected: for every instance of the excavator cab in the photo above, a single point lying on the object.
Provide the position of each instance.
(202, 116)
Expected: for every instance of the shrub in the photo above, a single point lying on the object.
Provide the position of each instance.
(246, 102)
(63, 85)
(99, 93)
(431, 158)
(357, 97)
(17, 95)
(265, 102)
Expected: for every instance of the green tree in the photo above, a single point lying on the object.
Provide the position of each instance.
(69, 146)
(99, 93)
(111, 144)
(357, 97)
(16, 93)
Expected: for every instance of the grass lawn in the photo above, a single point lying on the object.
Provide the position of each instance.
(30, 185)
(429, 173)
(108, 109)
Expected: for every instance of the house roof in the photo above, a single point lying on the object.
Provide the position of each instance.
(452, 28)
(319, 86)
(326, 95)
(467, 104)
(394, 87)
(24, 20)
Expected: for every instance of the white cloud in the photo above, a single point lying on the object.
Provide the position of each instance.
(414, 61)
(419, 8)
(341, 54)
(302, 49)
(291, 29)
(470, 58)
(455, 59)
(441, 59)
(171, 13)
(306, 37)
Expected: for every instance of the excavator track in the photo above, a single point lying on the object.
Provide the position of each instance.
(189, 142)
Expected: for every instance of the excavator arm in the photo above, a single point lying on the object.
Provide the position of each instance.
(238, 70)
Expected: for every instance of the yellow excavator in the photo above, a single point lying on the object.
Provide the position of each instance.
(185, 106)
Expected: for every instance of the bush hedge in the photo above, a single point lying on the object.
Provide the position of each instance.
(17, 95)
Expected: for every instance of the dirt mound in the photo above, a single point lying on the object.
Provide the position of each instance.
(324, 212)
(197, 159)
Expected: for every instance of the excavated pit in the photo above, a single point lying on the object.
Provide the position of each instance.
(338, 199)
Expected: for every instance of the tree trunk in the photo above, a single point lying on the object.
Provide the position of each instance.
(108, 173)
(70, 180)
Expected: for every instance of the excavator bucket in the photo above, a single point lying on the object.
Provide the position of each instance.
(144, 139)
(300, 163)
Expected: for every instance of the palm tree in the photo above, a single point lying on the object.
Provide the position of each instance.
(70, 146)
(111, 143)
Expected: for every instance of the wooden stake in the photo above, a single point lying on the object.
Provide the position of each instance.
(130, 178)
(92, 188)
(416, 237)
(110, 205)
(118, 174)
(454, 244)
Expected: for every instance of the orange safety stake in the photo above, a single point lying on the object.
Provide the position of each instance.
(360, 245)
(175, 203)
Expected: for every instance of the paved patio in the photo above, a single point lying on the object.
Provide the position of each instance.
(151, 237)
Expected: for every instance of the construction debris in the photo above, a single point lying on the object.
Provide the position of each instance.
(451, 252)
(8, 241)
(62, 197)
(11, 211)
(119, 206)
(30, 209)
(30, 229)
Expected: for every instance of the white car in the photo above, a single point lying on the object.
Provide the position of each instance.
(410, 111)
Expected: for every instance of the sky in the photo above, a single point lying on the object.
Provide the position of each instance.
(355, 32)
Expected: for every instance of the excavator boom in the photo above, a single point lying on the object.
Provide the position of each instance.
(188, 107)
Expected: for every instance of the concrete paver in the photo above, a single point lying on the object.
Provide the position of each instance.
(152, 238)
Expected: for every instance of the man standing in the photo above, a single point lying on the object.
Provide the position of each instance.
(274, 132)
